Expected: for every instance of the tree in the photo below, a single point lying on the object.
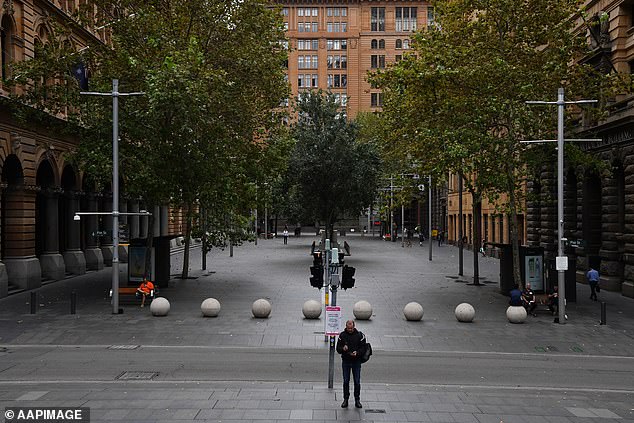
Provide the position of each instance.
(330, 174)
(457, 103)
(212, 76)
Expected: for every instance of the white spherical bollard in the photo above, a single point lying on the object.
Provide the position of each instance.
(210, 307)
(413, 311)
(160, 307)
(465, 313)
(516, 314)
(311, 309)
(261, 308)
(362, 310)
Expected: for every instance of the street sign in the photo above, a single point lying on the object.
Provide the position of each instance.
(333, 320)
(561, 263)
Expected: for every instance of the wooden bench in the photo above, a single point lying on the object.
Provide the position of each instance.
(127, 294)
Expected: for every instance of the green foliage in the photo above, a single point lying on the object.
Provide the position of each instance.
(330, 173)
(212, 79)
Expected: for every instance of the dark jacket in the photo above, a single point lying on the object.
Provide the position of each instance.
(355, 342)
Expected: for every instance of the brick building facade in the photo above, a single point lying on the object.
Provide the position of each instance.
(41, 190)
(599, 204)
(334, 44)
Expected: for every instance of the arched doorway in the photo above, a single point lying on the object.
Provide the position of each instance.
(69, 227)
(18, 227)
(46, 224)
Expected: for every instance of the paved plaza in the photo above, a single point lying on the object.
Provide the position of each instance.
(135, 367)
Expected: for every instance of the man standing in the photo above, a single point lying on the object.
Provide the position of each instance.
(593, 281)
(351, 345)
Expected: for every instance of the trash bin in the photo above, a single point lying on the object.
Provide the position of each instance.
(159, 265)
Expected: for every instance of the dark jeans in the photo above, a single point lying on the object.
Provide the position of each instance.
(593, 290)
(285, 240)
(355, 366)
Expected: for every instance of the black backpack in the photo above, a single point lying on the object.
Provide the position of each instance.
(367, 353)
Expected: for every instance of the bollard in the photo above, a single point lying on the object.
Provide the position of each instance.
(73, 302)
(603, 309)
(33, 302)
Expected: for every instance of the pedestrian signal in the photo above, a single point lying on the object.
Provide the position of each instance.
(317, 276)
(347, 277)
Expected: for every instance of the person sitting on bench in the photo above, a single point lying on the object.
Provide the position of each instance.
(528, 300)
(146, 288)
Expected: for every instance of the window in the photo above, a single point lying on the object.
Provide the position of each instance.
(399, 43)
(285, 26)
(307, 27)
(374, 44)
(307, 11)
(405, 44)
(377, 22)
(376, 99)
(307, 44)
(405, 19)
(307, 81)
(285, 11)
(430, 16)
(337, 81)
(6, 39)
(342, 99)
(307, 62)
(337, 62)
(398, 57)
(337, 44)
(382, 44)
(337, 11)
(377, 61)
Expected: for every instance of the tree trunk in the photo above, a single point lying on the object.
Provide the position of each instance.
(188, 233)
(149, 241)
(477, 212)
(515, 244)
(203, 222)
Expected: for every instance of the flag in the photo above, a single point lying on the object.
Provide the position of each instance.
(81, 75)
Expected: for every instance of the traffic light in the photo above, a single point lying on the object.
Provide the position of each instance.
(317, 276)
(347, 279)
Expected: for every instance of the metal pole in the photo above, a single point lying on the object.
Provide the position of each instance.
(266, 219)
(561, 275)
(391, 208)
(603, 312)
(115, 196)
(369, 218)
(73, 302)
(331, 354)
(33, 302)
(403, 225)
(429, 219)
(460, 246)
(256, 215)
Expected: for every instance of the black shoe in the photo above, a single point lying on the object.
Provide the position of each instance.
(344, 404)
(357, 403)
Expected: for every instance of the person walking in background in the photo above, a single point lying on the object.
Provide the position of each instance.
(351, 345)
(285, 234)
(593, 280)
(483, 248)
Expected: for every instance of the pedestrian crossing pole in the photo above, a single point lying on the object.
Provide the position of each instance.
(561, 262)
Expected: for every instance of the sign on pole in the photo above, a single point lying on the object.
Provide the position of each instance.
(333, 320)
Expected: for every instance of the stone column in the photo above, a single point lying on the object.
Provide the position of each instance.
(533, 214)
(133, 221)
(23, 268)
(92, 254)
(106, 226)
(165, 219)
(4, 279)
(627, 288)
(548, 197)
(51, 261)
(123, 221)
(608, 252)
(73, 256)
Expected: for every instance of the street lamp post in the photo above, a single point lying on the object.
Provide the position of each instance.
(115, 94)
(429, 218)
(561, 263)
